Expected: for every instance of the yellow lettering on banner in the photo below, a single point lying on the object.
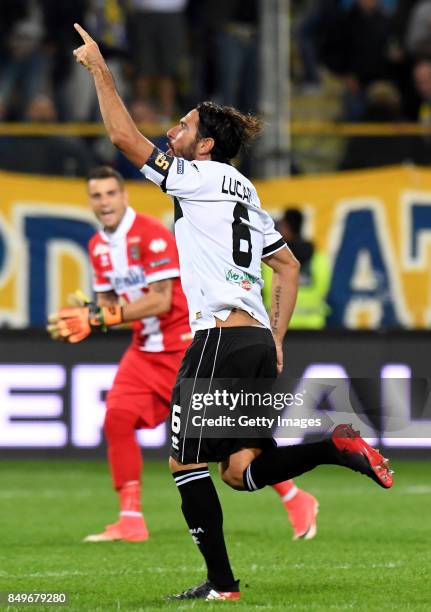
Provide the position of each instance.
(393, 195)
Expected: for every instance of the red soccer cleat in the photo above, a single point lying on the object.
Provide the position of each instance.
(127, 529)
(360, 456)
(302, 511)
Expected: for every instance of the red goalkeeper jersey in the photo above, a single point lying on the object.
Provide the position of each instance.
(142, 251)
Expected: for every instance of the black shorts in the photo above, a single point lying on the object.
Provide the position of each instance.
(221, 352)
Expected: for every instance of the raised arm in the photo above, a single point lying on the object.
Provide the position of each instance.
(120, 126)
(156, 301)
(285, 281)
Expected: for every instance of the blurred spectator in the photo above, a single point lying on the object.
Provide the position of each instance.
(311, 308)
(402, 62)
(418, 35)
(59, 42)
(236, 54)
(105, 20)
(422, 82)
(58, 155)
(389, 6)
(314, 23)
(24, 68)
(201, 29)
(11, 11)
(358, 50)
(383, 105)
(158, 42)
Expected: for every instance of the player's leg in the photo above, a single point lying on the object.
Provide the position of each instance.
(189, 466)
(203, 514)
(127, 403)
(344, 448)
(125, 461)
(301, 508)
(275, 464)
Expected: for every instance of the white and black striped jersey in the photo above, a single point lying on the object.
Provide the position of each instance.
(222, 233)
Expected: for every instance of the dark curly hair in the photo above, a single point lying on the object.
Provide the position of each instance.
(230, 129)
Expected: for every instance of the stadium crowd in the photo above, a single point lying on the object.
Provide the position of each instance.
(166, 55)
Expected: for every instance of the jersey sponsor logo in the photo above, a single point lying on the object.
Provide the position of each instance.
(134, 277)
(160, 262)
(180, 166)
(157, 245)
(100, 249)
(243, 279)
(236, 188)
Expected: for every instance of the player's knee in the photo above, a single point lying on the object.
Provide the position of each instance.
(174, 466)
(233, 477)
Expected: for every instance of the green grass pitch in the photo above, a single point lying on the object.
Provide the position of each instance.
(372, 550)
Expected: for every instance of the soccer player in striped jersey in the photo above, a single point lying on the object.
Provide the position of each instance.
(134, 258)
(220, 227)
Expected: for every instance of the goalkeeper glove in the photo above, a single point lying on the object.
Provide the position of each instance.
(74, 324)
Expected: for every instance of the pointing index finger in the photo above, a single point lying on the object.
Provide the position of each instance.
(84, 35)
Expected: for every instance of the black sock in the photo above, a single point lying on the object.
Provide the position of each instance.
(285, 462)
(204, 516)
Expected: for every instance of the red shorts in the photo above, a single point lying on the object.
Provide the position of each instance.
(143, 385)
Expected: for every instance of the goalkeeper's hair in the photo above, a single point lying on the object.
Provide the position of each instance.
(104, 172)
(230, 129)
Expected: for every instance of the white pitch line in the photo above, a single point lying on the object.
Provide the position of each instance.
(44, 493)
(185, 569)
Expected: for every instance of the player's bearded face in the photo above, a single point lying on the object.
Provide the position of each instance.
(108, 201)
(183, 138)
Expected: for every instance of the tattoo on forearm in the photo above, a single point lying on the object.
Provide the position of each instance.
(276, 309)
(161, 286)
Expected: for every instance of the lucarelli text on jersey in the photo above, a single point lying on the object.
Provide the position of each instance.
(235, 188)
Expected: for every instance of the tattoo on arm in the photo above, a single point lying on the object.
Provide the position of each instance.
(161, 286)
(275, 314)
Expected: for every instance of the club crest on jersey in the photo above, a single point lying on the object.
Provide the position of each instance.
(135, 252)
(158, 245)
(243, 279)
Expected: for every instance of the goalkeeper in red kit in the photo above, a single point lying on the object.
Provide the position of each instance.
(135, 262)
(136, 279)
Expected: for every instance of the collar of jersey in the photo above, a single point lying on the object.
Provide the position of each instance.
(125, 225)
